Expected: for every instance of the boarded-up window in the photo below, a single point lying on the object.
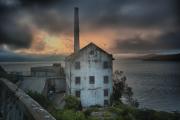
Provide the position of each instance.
(105, 64)
(106, 92)
(78, 93)
(77, 65)
(91, 79)
(106, 79)
(106, 102)
(77, 80)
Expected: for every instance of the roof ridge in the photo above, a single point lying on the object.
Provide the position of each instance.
(91, 43)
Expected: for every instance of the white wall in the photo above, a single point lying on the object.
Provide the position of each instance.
(91, 65)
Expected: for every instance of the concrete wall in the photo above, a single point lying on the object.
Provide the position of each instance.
(41, 84)
(60, 84)
(17, 105)
(90, 65)
(35, 84)
(56, 70)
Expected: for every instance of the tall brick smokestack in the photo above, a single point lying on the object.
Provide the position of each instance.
(76, 29)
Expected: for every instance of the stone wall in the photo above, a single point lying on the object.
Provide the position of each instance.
(15, 104)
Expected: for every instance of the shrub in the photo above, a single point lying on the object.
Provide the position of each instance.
(92, 118)
(72, 103)
(72, 115)
(68, 115)
(41, 99)
(80, 116)
(57, 114)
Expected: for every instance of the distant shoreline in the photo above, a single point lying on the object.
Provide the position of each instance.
(174, 57)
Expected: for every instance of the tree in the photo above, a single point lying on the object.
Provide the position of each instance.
(121, 89)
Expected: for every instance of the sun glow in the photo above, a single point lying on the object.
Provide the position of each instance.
(46, 43)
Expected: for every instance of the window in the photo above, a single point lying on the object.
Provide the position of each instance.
(106, 102)
(106, 79)
(105, 92)
(105, 65)
(91, 80)
(77, 80)
(78, 93)
(77, 65)
(91, 52)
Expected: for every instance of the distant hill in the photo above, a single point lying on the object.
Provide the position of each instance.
(155, 57)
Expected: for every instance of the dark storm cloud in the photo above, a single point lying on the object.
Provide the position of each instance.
(137, 13)
(51, 21)
(166, 41)
(12, 33)
(56, 16)
(15, 36)
(37, 2)
(177, 7)
(19, 35)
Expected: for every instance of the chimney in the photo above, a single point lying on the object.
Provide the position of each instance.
(76, 30)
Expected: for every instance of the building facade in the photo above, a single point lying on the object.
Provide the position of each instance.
(56, 70)
(45, 80)
(89, 75)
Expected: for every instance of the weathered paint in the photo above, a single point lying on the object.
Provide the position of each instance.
(90, 65)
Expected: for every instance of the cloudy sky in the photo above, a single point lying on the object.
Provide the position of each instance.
(45, 27)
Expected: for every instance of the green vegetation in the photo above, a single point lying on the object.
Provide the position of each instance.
(42, 100)
(131, 113)
(118, 111)
(72, 103)
(70, 112)
(121, 89)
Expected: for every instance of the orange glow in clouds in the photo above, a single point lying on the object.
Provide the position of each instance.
(48, 44)
(45, 43)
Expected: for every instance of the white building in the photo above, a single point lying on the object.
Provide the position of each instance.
(89, 72)
(89, 75)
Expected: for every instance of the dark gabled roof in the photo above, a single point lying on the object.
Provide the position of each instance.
(74, 55)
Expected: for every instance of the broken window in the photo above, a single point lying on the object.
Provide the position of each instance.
(78, 93)
(106, 92)
(106, 102)
(106, 79)
(77, 65)
(91, 79)
(105, 65)
(77, 80)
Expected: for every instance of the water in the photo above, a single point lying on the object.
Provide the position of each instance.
(156, 85)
